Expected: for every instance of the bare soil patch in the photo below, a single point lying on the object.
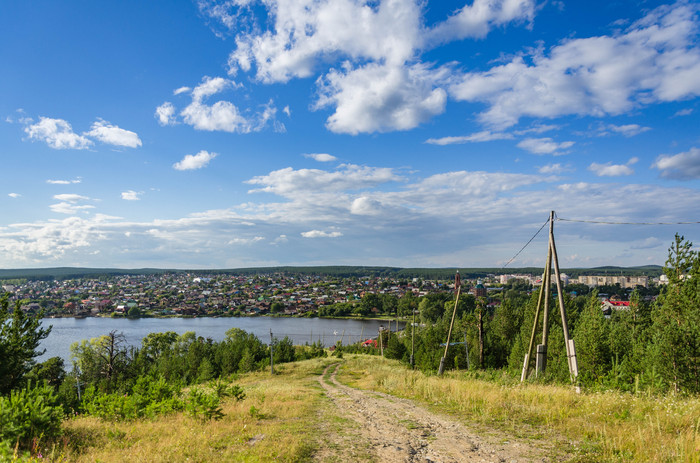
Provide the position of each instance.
(374, 426)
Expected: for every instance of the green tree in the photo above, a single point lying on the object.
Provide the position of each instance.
(675, 348)
(20, 335)
(592, 342)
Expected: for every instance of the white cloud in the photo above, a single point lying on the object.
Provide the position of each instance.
(554, 169)
(321, 234)
(280, 240)
(57, 133)
(381, 85)
(131, 195)
(482, 136)
(304, 32)
(683, 112)
(64, 182)
(70, 197)
(613, 170)
(245, 241)
(321, 157)
(165, 114)
(287, 111)
(113, 135)
(681, 166)
(195, 161)
(69, 208)
(438, 221)
(477, 19)
(628, 130)
(544, 146)
(14, 195)
(290, 182)
(180, 90)
(654, 60)
(380, 97)
(224, 115)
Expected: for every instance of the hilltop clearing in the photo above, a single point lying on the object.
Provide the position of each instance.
(368, 409)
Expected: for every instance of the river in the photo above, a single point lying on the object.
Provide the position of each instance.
(66, 331)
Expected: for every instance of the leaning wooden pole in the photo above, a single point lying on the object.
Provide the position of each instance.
(570, 348)
(528, 356)
(458, 287)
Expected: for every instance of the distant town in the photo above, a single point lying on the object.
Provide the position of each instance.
(276, 293)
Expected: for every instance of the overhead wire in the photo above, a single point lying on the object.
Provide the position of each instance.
(526, 244)
(624, 223)
(604, 222)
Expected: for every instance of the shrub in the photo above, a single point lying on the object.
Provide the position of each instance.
(29, 413)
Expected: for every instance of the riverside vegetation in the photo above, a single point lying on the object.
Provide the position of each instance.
(182, 396)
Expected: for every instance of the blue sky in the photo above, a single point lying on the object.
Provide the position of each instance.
(405, 133)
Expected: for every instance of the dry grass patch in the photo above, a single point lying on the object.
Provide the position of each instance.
(274, 423)
(601, 426)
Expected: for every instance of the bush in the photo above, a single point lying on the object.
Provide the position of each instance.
(203, 405)
(149, 398)
(29, 413)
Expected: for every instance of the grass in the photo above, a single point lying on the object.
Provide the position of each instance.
(275, 422)
(601, 426)
(287, 417)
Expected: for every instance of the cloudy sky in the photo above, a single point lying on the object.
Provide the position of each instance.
(411, 133)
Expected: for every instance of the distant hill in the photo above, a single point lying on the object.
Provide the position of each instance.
(66, 273)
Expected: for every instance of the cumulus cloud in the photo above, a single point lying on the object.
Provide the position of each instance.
(613, 170)
(220, 115)
(681, 166)
(57, 134)
(544, 146)
(165, 114)
(482, 136)
(131, 195)
(195, 161)
(381, 85)
(380, 97)
(321, 234)
(653, 60)
(113, 135)
(14, 195)
(438, 220)
(321, 157)
(475, 20)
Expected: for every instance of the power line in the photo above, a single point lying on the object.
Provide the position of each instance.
(526, 244)
(624, 223)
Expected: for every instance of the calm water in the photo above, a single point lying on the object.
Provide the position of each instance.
(66, 331)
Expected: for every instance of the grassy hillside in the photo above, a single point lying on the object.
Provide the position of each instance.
(286, 417)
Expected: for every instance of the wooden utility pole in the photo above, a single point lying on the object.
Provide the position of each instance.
(545, 291)
(458, 289)
(413, 338)
(272, 359)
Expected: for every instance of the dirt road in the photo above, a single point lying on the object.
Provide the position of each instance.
(381, 427)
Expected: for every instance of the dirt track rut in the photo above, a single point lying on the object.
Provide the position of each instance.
(391, 429)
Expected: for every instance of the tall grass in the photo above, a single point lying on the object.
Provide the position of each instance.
(600, 426)
(275, 422)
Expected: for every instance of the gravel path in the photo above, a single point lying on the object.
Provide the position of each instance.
(390, 429)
